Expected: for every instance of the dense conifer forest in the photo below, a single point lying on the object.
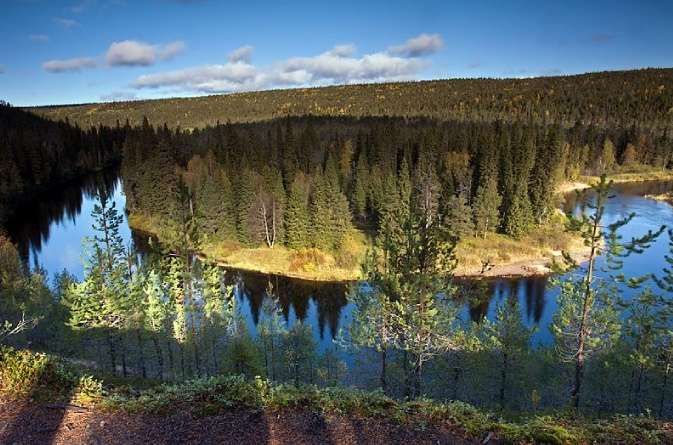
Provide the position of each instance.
(608, 99)
(36, 153)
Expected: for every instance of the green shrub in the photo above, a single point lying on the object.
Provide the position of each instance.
(23, 372)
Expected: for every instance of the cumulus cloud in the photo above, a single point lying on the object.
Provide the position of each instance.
(242, 54)
(118, 96)
(203, 78)
(135, 53)
(40, 38)
(66, 23)
(340, 64)
(64, 65)
(421, 45)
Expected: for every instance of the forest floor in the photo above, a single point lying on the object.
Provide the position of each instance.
(35, 423)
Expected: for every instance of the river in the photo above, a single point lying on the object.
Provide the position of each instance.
(49, 233)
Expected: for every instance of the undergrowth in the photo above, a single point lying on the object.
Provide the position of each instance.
(25, 374)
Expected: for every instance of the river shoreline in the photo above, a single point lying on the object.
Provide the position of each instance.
(538, 264)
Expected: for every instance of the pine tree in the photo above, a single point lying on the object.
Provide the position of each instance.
(101, 299)
(586, 320)
(543, 175)
(459, 216)
(156, 314)
(510, 339)
(297, 221)
(319, 211)
(607, 158)
(215, 207)
(359, 194)
(486, 207)
(245, 199)
(271, 330)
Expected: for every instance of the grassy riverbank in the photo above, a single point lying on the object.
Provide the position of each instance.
(493, 255)
(305, 264)
(664, 197)
(624, 175)
(45, 400)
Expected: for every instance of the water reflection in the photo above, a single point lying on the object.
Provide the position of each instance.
(62, 211)
(49, 232)
(294, 297)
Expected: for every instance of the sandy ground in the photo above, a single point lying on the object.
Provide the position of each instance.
(27, 423)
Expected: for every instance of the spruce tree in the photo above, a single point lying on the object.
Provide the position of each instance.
(459, 216)
(486, 207)
(297, 221)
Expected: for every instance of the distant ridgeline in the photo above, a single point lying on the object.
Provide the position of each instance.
(37, 153)
(643, 98)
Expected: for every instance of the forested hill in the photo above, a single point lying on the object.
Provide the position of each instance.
(37, 153)
(642, 98)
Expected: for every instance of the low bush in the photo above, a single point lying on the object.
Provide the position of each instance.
(25, 373)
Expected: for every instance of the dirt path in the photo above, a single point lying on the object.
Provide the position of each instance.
(35, 424)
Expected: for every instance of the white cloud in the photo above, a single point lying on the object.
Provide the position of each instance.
(63, 65)
(224, 77)
(242, 54)
(118, 96)
(135, 53)
(337, 65)
(420, 45)
(66, 23)
(40, 38)
(342, 50)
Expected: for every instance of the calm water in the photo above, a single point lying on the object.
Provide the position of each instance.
(49, 233)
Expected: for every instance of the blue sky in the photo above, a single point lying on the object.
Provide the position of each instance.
(72, 51)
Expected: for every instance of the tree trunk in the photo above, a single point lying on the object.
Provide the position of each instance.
(214, 352)
(582, 334)
(141, 351)
(113, 353)
(579, 373)
(160, 357)
(182, 360)
(171, 361)
(503, 380)
(123, 348)
(197, 359)
(383, 370)
(663, 389)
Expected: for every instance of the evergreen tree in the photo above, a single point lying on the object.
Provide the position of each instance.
(101, 299)
(360, 187)
(215, 207)
(297, 221)
(459, 216)
(510, 339)
(586, 320)
(486, 207)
